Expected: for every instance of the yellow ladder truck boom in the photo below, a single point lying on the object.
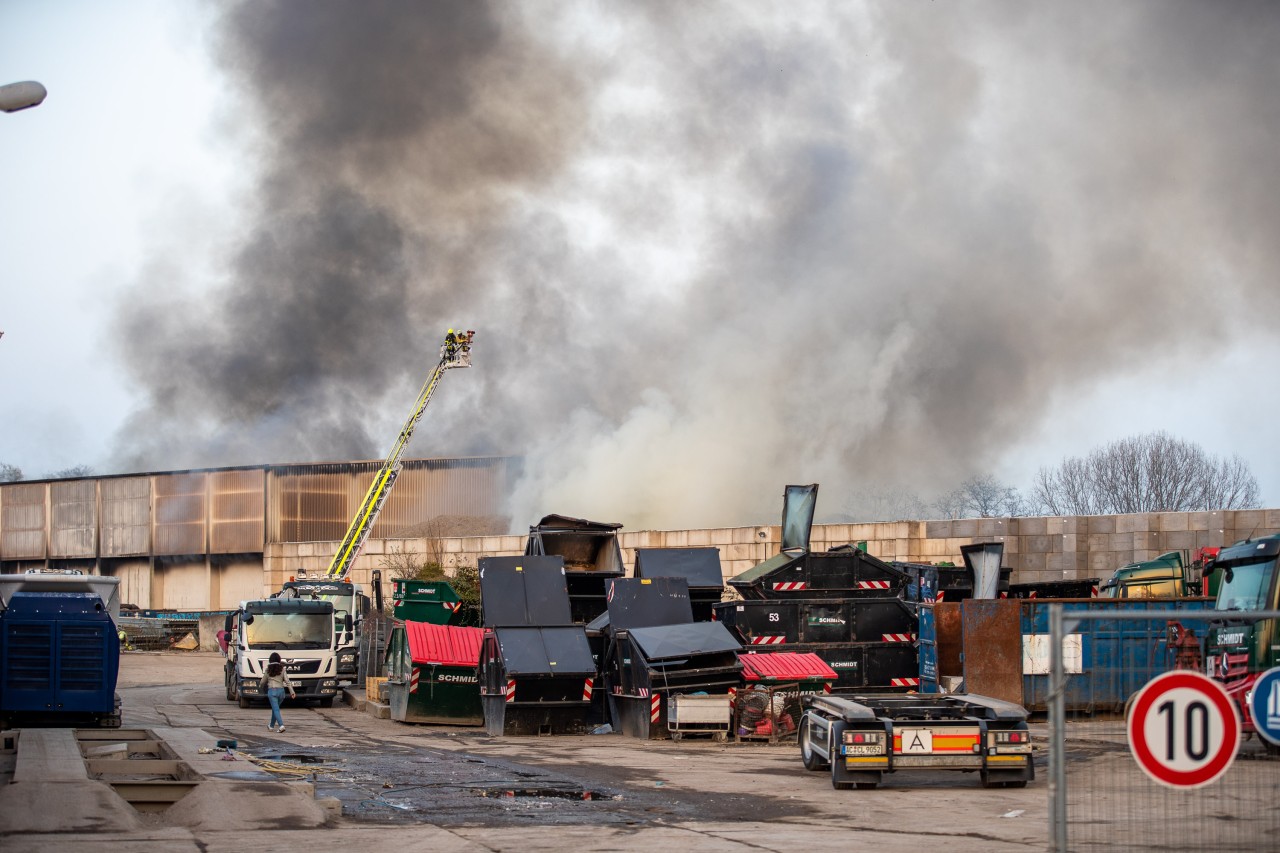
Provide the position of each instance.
(456, 352)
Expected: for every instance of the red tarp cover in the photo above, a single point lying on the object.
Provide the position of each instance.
(785, 666)
(446, 645)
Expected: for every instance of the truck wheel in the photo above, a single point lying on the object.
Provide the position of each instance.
(326, 702)
(866, 786)
(229, 683)
(810, 758)
(244, 702)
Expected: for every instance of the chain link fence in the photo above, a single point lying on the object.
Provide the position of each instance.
(1101, 797)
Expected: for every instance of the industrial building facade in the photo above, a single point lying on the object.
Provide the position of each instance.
(208, 539)
(198, 540)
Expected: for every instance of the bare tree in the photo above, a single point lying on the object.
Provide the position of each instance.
(402, 563)
(72, 473)
(1153, 472)
(10, 473)
(981, 497)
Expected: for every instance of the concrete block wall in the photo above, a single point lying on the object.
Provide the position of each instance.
(1036, 549)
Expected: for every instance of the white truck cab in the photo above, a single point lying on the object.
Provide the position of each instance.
(300, 631)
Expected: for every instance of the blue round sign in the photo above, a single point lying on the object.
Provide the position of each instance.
(1264, 705)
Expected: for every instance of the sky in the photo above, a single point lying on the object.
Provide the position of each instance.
(708, 249)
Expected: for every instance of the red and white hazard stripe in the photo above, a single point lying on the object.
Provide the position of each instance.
(413, 680)
(790, 586)
(897, 638)
(642, 692)
(511, 690)
(905, 682)
(655, 707)
(1031, 594)
(826, 687)
(769, 640)
(873, 584)
(451, 605)
(586, 690)
(1093, 591)
(937, 599)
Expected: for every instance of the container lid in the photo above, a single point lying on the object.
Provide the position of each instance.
(647, 602)
(669, 642)
(444, 645)
(699, 566)
(785, 666)
(545, 651)
(524, 591)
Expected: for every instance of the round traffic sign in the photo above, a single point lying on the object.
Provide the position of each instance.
(1264, 705)
(1183, 729)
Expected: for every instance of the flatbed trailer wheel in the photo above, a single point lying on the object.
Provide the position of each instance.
(811, 759)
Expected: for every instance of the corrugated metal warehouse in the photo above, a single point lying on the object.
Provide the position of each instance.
(196, 540)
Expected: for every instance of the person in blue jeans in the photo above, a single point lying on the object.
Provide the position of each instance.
(275, 681)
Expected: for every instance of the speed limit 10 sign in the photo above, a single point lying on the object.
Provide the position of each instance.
(1183, 729)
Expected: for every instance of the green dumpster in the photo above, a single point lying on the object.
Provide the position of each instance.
(436, 602)
(432, 674)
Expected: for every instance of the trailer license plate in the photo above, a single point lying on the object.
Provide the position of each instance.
(863, 749)
(917, 742)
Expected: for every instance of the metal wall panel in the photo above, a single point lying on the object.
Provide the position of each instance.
(430, 488)
(22, 521)
(180, 513)
(237, 512)
(239, 581)
(185, 586)
(135, 582)
(315, 503)
(126, 517)
(73, 518)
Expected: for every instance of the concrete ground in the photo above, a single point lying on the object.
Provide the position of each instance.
(345, 777)
(379, 782)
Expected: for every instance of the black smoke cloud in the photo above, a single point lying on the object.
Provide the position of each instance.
(713, 248)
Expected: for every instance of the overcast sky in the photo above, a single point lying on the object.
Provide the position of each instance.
(708, 249)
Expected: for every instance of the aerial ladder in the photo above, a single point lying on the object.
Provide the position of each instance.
(456, 352)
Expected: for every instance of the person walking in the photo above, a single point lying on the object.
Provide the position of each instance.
(275, 681)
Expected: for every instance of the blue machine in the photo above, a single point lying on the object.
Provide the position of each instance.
(59, 654)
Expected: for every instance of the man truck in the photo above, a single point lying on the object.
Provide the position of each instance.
(300, 630)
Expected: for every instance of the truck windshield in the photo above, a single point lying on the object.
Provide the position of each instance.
(1248, 587)
(290, 631)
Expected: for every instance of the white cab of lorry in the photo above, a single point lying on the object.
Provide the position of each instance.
(300, 631)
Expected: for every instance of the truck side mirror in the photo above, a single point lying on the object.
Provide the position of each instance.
(346, 623)
(248, 619)
(226, 623)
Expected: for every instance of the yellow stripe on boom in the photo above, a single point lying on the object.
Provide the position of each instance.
(457, 354)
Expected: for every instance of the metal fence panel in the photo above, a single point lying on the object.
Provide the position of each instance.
(1100, 797)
